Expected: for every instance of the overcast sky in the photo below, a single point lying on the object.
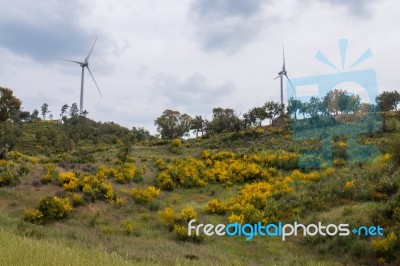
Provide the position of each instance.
(189, 56)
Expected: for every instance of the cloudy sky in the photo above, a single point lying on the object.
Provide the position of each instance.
(186, 55)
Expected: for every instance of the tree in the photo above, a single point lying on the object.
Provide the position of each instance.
(223, 120)
(256, 115)
(74, 111)
(141, 133)
(63, 114)
(172, 124)
(45, 109)
(9, 104)
(198, 125)
(293, 107)
(273, 110)
(35, 115)
(388, 100)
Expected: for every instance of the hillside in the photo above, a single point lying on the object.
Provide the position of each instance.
(97, 196)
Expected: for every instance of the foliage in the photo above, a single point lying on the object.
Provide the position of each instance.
(49, 209)
(9, 105)
(172, 124)
(143, 196)
(50, 173)
(69, 180)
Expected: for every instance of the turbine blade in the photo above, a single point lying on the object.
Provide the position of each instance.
(91, 50)
(72, 61)
(277, 77)
(90, 72)
(283, 50)
(290, 83)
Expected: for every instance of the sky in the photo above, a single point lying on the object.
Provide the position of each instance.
(186, 55)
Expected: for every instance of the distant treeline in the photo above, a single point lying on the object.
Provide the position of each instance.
(71, 126)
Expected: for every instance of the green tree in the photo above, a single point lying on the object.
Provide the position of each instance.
(224, 120)
(74, 111)
(198, 125)
(388, 100)
(293, 107)
(273, 110)
(257, 115)
(141, 133)
(34, 115)
(45, 109)
(63, 114)
(172, 124)
(9, 104)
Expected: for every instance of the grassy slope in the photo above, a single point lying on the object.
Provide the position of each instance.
(93, 233)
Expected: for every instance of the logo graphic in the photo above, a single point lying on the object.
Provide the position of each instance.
(324, 124)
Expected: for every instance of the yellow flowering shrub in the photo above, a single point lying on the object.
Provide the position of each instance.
(215, 206)
(33, 216)
(187, 214)
(224, 167)
(348, 185)
(167, 216)
(384, 246)
(143, 196)
(233, 218)
(69, 180)
(49, 209)
(124, 173)
(176, 143)
(96, 188)
(77, 199)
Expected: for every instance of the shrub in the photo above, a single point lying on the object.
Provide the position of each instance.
(386, 247)
(33, 216)
(233, 218)
(181, 234)
(143, 196)
(49, 174)
(48, 209)
(54, 208)
(69, 180)
(176, 143)
(187, 214)
(96, 188)
(119, 202)
(215, 206)
(124, 173)
(77, 200)
(167, 217)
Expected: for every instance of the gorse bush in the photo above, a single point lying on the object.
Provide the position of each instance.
(215, 206)
(8, 174)
(48, 209)
(68, 180)
(50, 173)
(222, 167)
(124, 173)
(95, 187)
(143, 196)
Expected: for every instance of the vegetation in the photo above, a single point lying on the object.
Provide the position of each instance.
(84, 192)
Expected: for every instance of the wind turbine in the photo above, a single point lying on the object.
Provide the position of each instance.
(283, 73)
(83, 65)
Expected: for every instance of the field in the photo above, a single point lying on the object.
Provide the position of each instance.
(103, 204)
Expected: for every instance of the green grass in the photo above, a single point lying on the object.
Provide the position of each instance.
(18, 250)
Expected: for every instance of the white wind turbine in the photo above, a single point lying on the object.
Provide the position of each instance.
(83, 65)
(283, 73)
